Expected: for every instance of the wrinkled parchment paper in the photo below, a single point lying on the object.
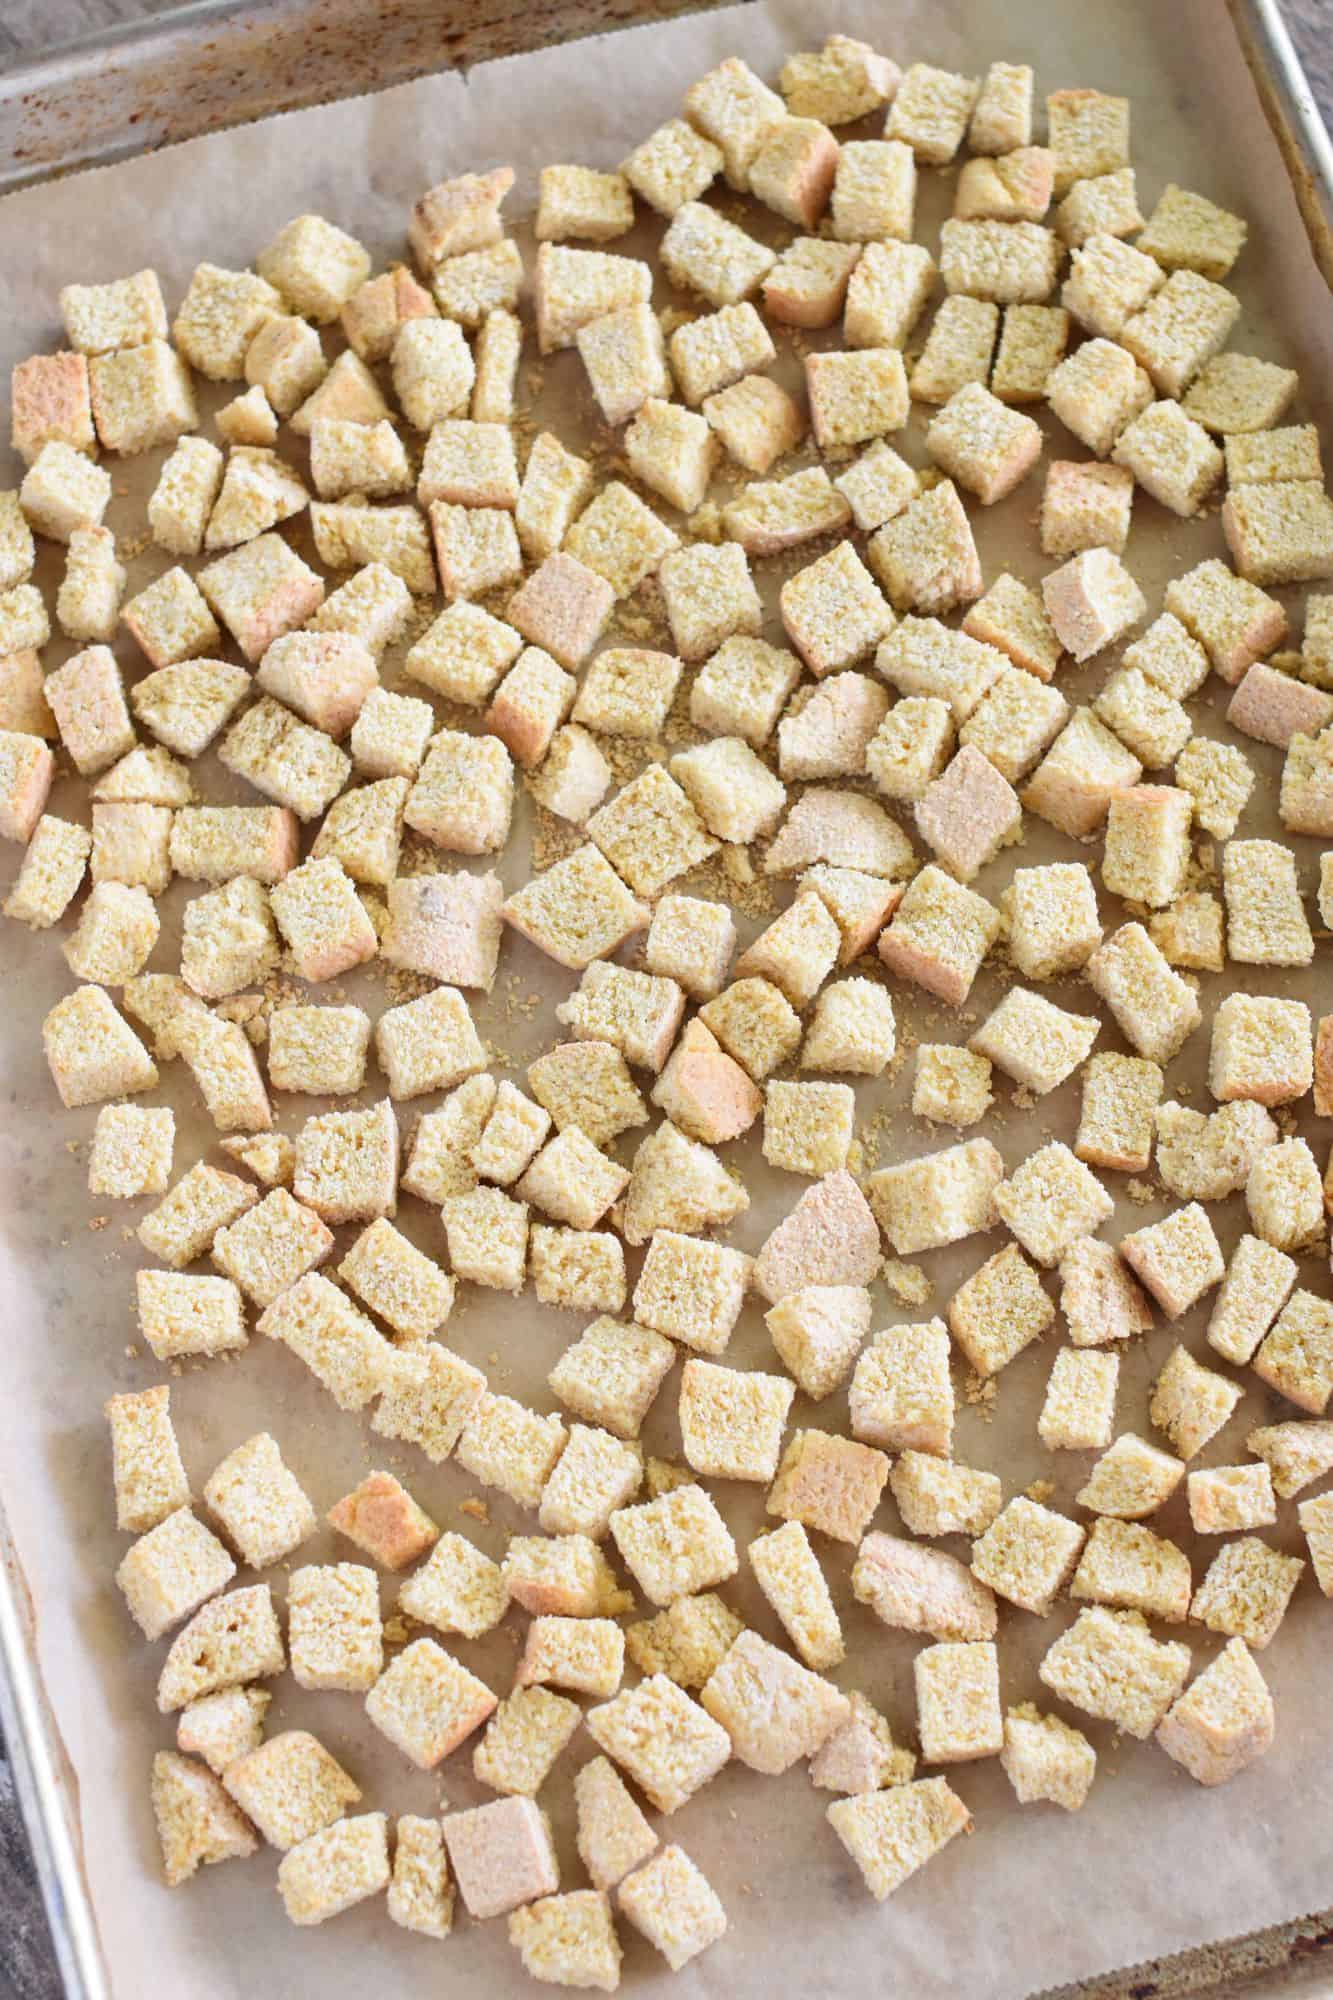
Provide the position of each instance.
(1033, 1898)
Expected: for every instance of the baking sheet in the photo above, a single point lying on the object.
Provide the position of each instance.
(1032, 1899)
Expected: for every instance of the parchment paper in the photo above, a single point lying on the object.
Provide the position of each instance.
(1033, 1898)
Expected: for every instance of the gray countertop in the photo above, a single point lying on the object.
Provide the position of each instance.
(27, 1969)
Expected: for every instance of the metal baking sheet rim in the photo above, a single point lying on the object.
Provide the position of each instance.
(121, 74)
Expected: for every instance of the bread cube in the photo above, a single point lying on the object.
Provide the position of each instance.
(676, 1909)
(1131, 1479)
(49, 399)
(829, 1483)
(855, 395)
(1234, 622)
(148, 1474)
(774, 1711)
(427, 1704)
(196, 1821)
(1006, 263)
(92, 1053)
(1297, 1454)
(523, 1739)
(673, 165)
(1296, 1356)
(259, 592)
(62, 492)
(613, 1835)
(421, 1893)
(232, 1639)
(1013, 187)
(471, 286)
(703, 252)
(1230, 1497)
(1242, 389)
(687, 1641)
(431, 1396)
(1132, 1569)
(1044, 1759)
(958, 1702)
(925, 558)
(260, 1503)
(1099, 1299)
(733, 108)
(666, 1742)
(968, 813)
(487, 1234)
(1108, 1665)
(170, 1571)
(1180, 328)
(1104, 204)
(433, 371)
(1191, 1403)
(141, 397)
(1246, 1590)
(459, 1590)
(1280, 532)
(1258, 1281)
(1177, 1259)
(916, 1589)
(1224, 1719)
(338, 1344)
(887, 293)
(1171, 456)
(1033, 339)
(930, 112)
(890, 1834)
(463, 798)
(1154, 1007)
(710, 353)
(939, 935)
(998, 1310)
(223, 1726)
(502, 1855)
(290, 1787)
(334, 1627)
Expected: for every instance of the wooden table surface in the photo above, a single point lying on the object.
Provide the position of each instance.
(27, 1969)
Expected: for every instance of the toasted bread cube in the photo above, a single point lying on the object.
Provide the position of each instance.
(115, 934)
(502, 1855)
(981, 443)
(911, 747)
(23, 705)
(476, 549)
(224, 1726)
(569, 1940)
(476, 283)
(513, 1133)
(1147, 849)
(925, 558)
(886, 296)
(141, 397)
(149, 1477)
(1085, 507)
(1101, 205)
(49, 400)
(267, 1250)
(1171, 457)
(1154, 1007)
(958, 347)
(950, 1086)
(968, 813)
(1246, 1590)
(829, 1238)
(672, 450)
(88, 601)
(459, 1590)
(334, 1869)
(458, 215)
(619, 539)
(930, 112)
(1120, 1098)
(1089, 134)
(376, 310)
(578, 910)
(688, 1641)
(743, 689)
(1306, 798)
(1099, 1299)
(322, 920)
(1297, 1454)
(596, 1474)
(779, 514)
(1280, 532)
(999, 1310)
(855, 395)
(731, 1421)
(1253, 453)
(1108, 1664)
(1230, 1497)
(1258, 1281)
(958, 1702)
(676, 1544)
(1178, 1259)
(774, 1711)
(433, 374)
(691, 1289)
(170, 1571)
(925, 1204)
(1013, 187)
(421, 1892)
(259, 1502)
(523, 1739)
(1313, 1516)
(63, 491)
(1005, 263)
(829, 1483)
(529, 705)
(673, 165)
(1180, 328)
(232, 1639)
(335, 1632)
(1296, 1357)
(1186, 232)
(259, 592)
(183, 1226)
(666, 1742)
(339, 1345)
(1014, 722)
(469, 465)
(874, 195)
(488, 1238)
(939, 935)
(789, 1575)
(554, 488)
(1236, 623)
(131, 847)
(1079, 1411)
(1266, 921)
(92, 1053)
(576, 286)
(611, 1375)
(733, 108)
(197, 1822)
(843, 830)
(703, 252)
(1223, 1721)
(808, 1126)
(572, 1181)
(1032, 346)
(430, 1398)
(859, 904)
(793, 169)
(636, 1012)
(843, 81)
(613, 1835)
(1131, 1479)
(291, 1787)
(410, 1293)
(1051, 1199)
(285, 363)
(1132, 1569)
(890, 1834)
(315, 266)
(806, 287)
(711, 353)
(510, 1447)
(917, 1589)
(87, 698)
(1044, 1759)
(427, 1704)
(463, 797)
(1284, 1196)
(1260, 1049)
(709, 595)
(577, 201)
(1273, 707)
(52, 868)
(1091, 601)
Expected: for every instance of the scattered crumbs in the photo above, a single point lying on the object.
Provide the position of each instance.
(980, 1392)
(1041, 1490)
(476, 1510)
(1142, 1192)
(908, 1282)
(1023, 1098)
(98, 1221)
(396, 1630)
(856, 1158)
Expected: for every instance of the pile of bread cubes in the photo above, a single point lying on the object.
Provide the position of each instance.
(876, 757)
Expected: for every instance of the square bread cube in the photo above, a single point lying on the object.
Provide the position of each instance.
(1188, 232)
(182, 1227)
(636, 1012)
(458, 215)
(797, 951)
(1007, 263)
(523, 1739)
(92, 1053)
(291, 1787)
(1296, 1357)
(510, 1447)
(755, 420)
(1103, 204)
(1110, 1666)
(890, 1834)
(580, 910)
(1131, 1479)
(1154, 1007)
(1078, 1413)
(428, 1044)
(710, 353)
(830, 1483)
(925, 558)
(984, 445)
(852, 1029)
(63, 492)
(577, 201)
(1091, 601)
(471, 286)
(940, 1199)
(469, 465)
(315, 265)
(665, 1741)
(501, 1855)
(1116, 1120)
(347, 1164)
(691, 942)
(569, 1940)
(52, 868)
(1182, 326)
(459, 1590)
(673, 165)
(808, 1127)
(259, 1502)
(1132, 1569)
(887, 293)
(421, 1892)
(793, 169)
(49, 399)
(874, 191)
(958, 1702)
(170, 1571)
(1280, 532)
(675, 1545)
(732, 1421)
(731, 106)
(691, 1289)
(338, 1344)
(612, 1374)
(687, 1641)
(843, 81)
(1171, 456)
(1272, 707)
(774, 1710)
(950, 1086)
(575, 286)
(855, 395)
(1235, 622)
(1028, 1554)
(999, 1310)
(1246, 1590)
(1223, 1721)
(939, 935)
(476, 549)
(1089, 134)
(331, 1870)
(1044, 1759)
(1258, 1281)
(1229, 1498)
(936, 1497)
(223, 1726)
(673, 1905)
(430, 1399)
(233, 1639)
(141, 397)
(968, 813)
(268, 1249)
(595, 1475)
(930, 112)
(1147, 848)
(1297, 1454)
(703, 252)
(334, 1629)
(575, 777)
(585, 1654)
(1253, 453)
(196, 1821)
(613, 1835)
(918, 1589)
(1177, 1259)
(1033, 339)
(427, 1704)
(1086, 507)
(808, 284)
(147, 1471)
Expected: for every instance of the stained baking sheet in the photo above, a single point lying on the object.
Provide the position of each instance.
(1032, 1899)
